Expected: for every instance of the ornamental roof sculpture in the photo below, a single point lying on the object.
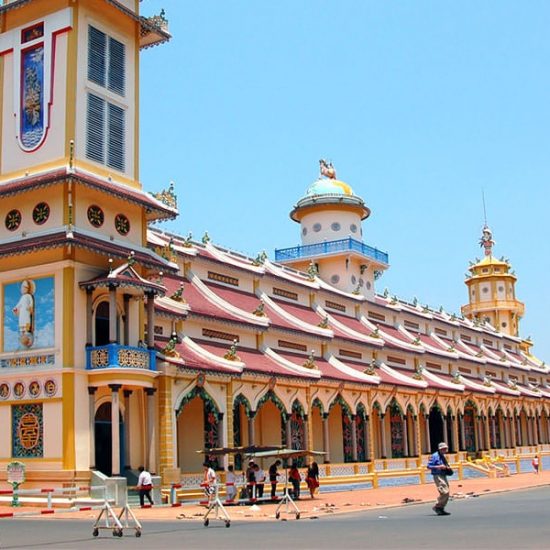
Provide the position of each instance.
(168, 197)
(327, 170)
(486, 241)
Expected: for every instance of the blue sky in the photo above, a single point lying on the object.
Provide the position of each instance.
(420, 105)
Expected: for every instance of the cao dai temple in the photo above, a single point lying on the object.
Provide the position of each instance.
(123, 345)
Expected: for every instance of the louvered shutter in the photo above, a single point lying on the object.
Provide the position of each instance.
(116, 138)
(97, 55)
(95, 129)
(117, 62)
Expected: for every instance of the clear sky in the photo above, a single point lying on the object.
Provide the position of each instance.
(420, 105)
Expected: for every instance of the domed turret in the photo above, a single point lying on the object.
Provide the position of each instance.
(330, 217)
(491, 290)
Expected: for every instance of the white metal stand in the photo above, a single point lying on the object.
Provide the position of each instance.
(287, 501)
(108, 512)
(215, 504)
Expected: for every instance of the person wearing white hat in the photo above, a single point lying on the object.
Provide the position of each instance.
(440, 469)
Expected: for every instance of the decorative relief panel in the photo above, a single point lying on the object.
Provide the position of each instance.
(27, 431)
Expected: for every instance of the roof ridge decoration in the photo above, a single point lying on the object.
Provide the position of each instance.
(303, 325)
(346, 369)
(387, 337)
(233, 365)
(227, 258)
(216, 300)
(285, 363)
(167, 197)
(376, 340)
(231, 354)
(402, 377)
(278, 271)
(431, 376)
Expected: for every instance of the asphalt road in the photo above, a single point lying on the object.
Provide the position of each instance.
(518, 520)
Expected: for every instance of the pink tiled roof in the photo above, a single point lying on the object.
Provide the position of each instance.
(243, 300)
(326, 369)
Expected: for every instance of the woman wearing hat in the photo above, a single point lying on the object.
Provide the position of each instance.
(440, 469)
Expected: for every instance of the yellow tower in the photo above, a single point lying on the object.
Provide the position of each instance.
(491, 291)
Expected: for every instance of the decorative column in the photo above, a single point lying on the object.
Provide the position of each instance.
(288, 428)
(476, 433)
(167, 426)
(326, 441)
(151, 430)
(91, 425)
(428, 447)
(353, 438)
(454, 420)
(540, 438)
(405, 436)
(493, 442)
(416, 435)
(221, 439)
(512, 422)
(126, 340)
(462, 434)
(369, 448)
(306, 433)
(383, 436)
(127, 394)
(150, 320)
(89, 316)
(251, 430)
(115, 429)
(486, 432)
(445, 429)
(112, 314)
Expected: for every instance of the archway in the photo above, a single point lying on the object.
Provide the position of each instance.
(102, 324)
(436, 427)
(103, 439)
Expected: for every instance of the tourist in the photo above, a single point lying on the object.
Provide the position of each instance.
(273, 475)
(295, 479)
(536, 464)
(209, 480)
(312, 478)
(230, 480)
(440, 469)
(251, 480)
(259, 474)
(144, 485)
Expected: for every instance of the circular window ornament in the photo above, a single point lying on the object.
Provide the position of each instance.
(19, 390)
(316, 227)
(13, 220)
(304, 231)
(501, 289)
(485, 290)
(41, 213)
(504, 324)
(335, 279)
(50, 388)
(368, 285)
(4, 391)
(34, 388)
(335, 226)
(353, 279)
(361, 282)
(96, 216)
(122, 224)
(353, 228)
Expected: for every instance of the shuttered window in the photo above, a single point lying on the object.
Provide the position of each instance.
(105, 133)
(106, 61)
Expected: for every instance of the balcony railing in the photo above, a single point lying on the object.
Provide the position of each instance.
(329, 247)
(115, 356)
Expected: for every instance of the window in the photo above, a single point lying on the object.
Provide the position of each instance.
(106, 121)
(105, 134)
(335, 226)
(106, 61)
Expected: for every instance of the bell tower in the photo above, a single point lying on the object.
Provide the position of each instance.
(491, 290)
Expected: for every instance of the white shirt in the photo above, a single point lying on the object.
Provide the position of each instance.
(144, 479)
(260, 476)
(210, 476)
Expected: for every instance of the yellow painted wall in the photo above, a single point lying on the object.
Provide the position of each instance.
(336, 434)
(190, 429)
(317, 423)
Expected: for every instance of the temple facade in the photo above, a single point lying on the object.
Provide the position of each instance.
(122, 344)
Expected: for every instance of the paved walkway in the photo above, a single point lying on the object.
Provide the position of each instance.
(332, 503)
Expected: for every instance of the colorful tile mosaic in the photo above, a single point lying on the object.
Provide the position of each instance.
(27, 430)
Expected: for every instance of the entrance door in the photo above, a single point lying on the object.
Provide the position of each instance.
(103, 442)
(102, 324)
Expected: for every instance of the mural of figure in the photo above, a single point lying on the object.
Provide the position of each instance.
(24, 309)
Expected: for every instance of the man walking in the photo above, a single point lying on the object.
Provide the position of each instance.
(440, 469)
(144, 485)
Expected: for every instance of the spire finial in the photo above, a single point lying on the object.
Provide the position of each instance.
(486, 241)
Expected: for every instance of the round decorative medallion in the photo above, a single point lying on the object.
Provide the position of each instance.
(13, 220)
(34, 388)
(353, 228)
(41, 213)
(95, 216)
(316, 227)
(19, 390)
(28, 430)
(4, 391)
(335, 226)
(335, 279)
(50, 387)
(201, 379)
(122, 224)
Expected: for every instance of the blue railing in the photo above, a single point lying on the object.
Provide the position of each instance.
(115, 356)
(329, 247)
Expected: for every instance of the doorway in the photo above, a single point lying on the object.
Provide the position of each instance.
(103, 440)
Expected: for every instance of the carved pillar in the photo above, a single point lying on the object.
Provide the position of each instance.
(416, 435)
(326, 440)
(405, 436)
(115, 429)
(512, 421)
(222, 439)
(251, 430)
(91, 425)
(306, 433)
(112, 314)
(288, 428)
(486, 432)
(540, 437)
(428, 448)
(127, 394)
(150, 320)
(456, 447)
(476, 433)
(369, 446)
(89, 317)
(445, 429)
(151, 430)
(353, 438)
(126, 299)
(383, 437)
(462, 434)
(493, 438)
